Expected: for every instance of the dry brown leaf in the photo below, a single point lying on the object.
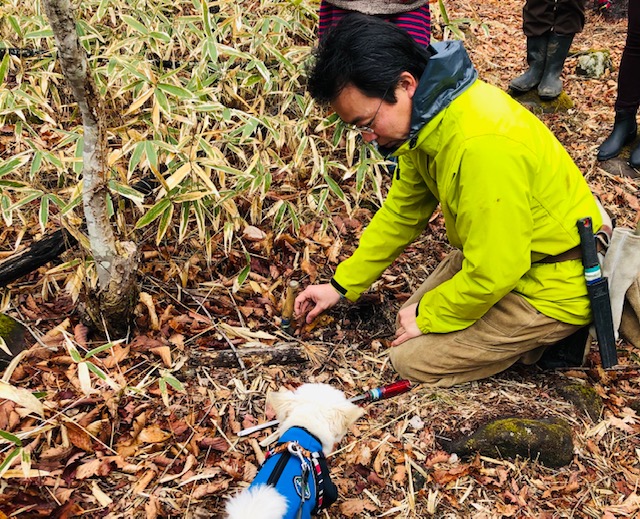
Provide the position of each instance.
(164, 352)
(117, 354)
(353, 507)
(147, 300)
(209, 488)
(252, 233)
(144, 480)
(79, 437)
(400, 475)
(153, 434)
(100, 495)
(88, 469)
(152, 508)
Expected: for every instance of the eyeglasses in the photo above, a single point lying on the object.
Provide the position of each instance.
(367, 128)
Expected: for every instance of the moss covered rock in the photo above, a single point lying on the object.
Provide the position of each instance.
(532, 101)
(584, 398)
(12, 333)
(548, 441)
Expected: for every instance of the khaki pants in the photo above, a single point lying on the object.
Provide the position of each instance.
(509, 332)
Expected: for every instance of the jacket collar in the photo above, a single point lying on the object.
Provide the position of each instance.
(448, 73)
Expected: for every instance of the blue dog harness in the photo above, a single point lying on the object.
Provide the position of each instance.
(297, 468)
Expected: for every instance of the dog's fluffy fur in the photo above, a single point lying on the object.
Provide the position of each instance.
(322, 410)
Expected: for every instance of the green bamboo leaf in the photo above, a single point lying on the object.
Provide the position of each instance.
(10, 437)
(162, 100)
(99, 349)
(4, 66)
(160, 36)
(241, 278)
(43, 214)
(73, 352)
(173, 382)
(12, 165)
(154, 213)
(135, 24)
(96, 370)
(36, 35)
(185, 209)
(136, 156)
(7, 461)
(177, 91)
(151, 152)
(78, 164)
(126, 191)
(34, 195)
(165, 221)
(333, 185)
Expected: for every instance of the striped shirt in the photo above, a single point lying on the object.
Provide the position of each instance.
(417, 22)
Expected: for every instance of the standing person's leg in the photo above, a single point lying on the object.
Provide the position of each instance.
(509, 332)
(629, 75)
(569, 20)
(537, 22)
(625, 126)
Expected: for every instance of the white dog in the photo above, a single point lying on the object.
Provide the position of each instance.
(294, 480)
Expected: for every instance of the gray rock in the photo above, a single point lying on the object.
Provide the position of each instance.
(594, 64)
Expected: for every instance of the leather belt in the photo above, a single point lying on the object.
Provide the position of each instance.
(571, 254)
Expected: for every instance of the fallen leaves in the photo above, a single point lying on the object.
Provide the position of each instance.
(23, 397)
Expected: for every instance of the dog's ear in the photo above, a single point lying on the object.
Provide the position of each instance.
(282, 403)
(350, 414)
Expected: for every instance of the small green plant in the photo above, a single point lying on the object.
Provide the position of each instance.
(18, 450)
(455, 26)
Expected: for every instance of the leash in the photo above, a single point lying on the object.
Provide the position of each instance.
(373, 395)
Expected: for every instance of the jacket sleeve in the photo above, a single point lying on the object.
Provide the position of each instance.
(495, 226)
(402, 217)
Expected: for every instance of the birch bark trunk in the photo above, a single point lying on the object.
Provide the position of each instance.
(116, 262)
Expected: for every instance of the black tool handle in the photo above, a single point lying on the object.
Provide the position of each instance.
(588, 244)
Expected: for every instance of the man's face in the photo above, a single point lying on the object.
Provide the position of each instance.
(389, 122)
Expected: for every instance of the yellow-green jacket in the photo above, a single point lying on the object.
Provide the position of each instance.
(509, 192)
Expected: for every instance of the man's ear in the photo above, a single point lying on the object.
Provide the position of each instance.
(409, 82)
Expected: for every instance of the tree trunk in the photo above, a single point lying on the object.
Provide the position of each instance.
(116, 263)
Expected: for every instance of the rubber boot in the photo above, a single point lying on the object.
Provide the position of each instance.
(558, 47)
(536, 57)
(570, 352)
(624, 131)
(634, 159)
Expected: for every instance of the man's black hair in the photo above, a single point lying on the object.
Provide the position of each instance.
(367, 52)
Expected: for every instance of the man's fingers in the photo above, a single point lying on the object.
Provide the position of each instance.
(400, 339)
(312, 314)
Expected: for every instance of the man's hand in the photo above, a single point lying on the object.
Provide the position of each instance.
(408, 328)
(315, 299)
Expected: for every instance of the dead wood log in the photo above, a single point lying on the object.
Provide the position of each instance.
(281, 353)
(37, 254)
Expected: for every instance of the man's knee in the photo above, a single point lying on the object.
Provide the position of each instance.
(398, 361)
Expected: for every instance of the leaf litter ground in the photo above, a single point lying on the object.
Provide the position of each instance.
(166, 446)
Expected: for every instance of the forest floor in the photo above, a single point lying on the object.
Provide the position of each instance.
(164, 448)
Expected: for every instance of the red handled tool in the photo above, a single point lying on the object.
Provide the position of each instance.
(373, 395)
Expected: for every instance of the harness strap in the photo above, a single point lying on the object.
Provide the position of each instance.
(316, 459)
(278, 469)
